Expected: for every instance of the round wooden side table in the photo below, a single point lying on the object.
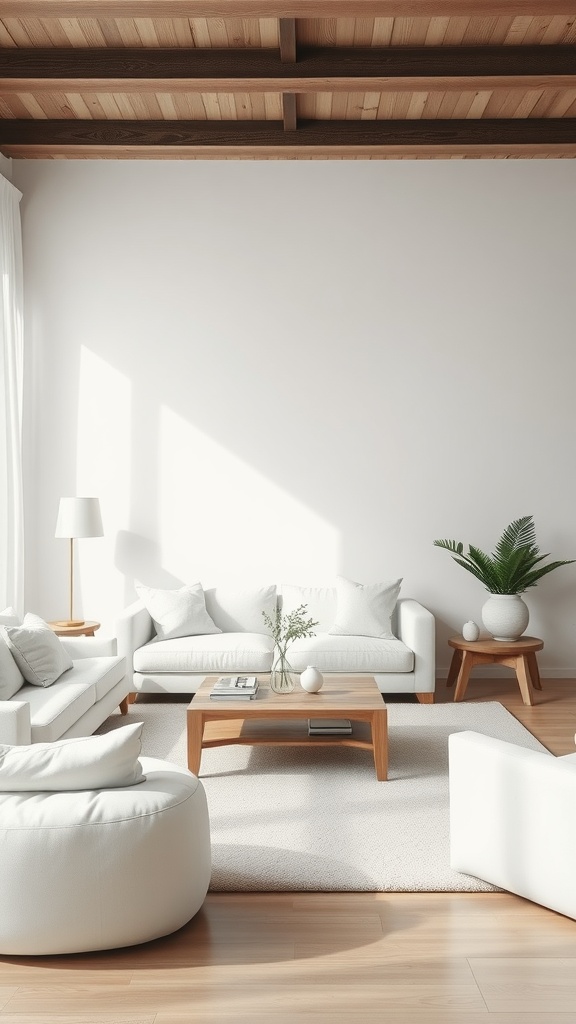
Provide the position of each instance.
(517, 654)
(84, 629)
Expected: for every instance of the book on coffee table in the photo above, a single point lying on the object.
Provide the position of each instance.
(235, 688)
(329, 727)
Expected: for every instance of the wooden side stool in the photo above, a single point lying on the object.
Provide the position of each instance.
(517, 654)
(80, 629)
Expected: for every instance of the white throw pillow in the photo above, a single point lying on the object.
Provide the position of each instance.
(177, 612)
(11, 678)
(365, 610)
(8, 617)
(239, 609)
(320, 603)
(37, 651)
(84, 762)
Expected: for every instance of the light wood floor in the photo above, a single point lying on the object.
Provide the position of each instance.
(314, 958)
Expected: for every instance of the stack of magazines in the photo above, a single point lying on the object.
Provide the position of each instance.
(329, 727)
(235, 688)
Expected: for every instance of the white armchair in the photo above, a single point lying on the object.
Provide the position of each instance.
(512, 819)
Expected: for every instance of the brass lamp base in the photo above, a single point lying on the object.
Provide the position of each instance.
(71, 622)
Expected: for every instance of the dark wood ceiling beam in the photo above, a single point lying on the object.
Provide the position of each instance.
(289, 115)
(287, 40)
(287, 32)
(311, 135)
(316, 69)
(282, 8)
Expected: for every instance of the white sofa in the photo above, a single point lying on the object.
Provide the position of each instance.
(405, 664)
(512, 818)
(76, 704)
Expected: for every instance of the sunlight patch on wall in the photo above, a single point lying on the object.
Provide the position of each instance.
(222, 520)
(103, 460)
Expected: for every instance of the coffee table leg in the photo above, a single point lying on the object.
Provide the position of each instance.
(379, 726)
(195, 733)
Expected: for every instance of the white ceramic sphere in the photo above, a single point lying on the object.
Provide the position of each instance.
(311, 679)
(470, 630)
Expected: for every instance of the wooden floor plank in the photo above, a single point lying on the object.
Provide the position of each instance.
(531, 984)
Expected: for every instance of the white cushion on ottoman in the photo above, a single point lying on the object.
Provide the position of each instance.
(98, 869)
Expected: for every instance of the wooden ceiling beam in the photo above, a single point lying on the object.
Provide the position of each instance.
(289, 115)
(315, 69)
(287, 40)
(410, 135)
(287, 27)
(283, 8)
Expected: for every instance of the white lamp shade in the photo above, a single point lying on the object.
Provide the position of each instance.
(79, 517)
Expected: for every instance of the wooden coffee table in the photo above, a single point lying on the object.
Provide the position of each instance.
(281, 719)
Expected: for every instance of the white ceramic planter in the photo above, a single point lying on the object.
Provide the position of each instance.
(506, 616)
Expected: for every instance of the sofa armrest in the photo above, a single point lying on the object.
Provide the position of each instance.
(417, 629)
(512, 818)
(134, 628)
(89, 646)
(15, 725)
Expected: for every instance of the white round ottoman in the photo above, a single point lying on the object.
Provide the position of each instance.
(97, 869)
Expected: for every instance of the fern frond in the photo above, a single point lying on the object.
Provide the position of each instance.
(520, 533)
(450, 545)
(490, 576)
(532, 578)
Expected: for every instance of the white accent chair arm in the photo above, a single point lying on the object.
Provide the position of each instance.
(512, 818)
(417, 629)
(15, 725)
(134, 628)
(89, 646)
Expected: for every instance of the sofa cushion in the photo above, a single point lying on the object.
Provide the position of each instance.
(102, 673)
(365, 609)
(237, 610)
(55, 709)
(177, 612)
(37, 651)
(352, 654)
(11, 678)
(108, 761)
(225, 652)
(320, 602)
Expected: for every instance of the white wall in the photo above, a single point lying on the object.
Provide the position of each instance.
(287, 370)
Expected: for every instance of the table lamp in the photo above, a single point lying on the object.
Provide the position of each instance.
(77, 517)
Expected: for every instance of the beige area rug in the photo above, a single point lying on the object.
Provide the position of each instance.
(294, 818)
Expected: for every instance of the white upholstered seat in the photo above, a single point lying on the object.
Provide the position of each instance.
(98, 869)
(512, 818)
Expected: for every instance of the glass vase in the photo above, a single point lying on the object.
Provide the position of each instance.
(282, 677)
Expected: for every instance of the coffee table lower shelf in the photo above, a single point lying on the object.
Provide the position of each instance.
(265, 723)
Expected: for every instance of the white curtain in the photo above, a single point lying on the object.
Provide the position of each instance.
(11, 386)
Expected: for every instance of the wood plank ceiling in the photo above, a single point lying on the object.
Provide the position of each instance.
(300, 79)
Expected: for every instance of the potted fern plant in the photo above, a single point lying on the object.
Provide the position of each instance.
(513, 567)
